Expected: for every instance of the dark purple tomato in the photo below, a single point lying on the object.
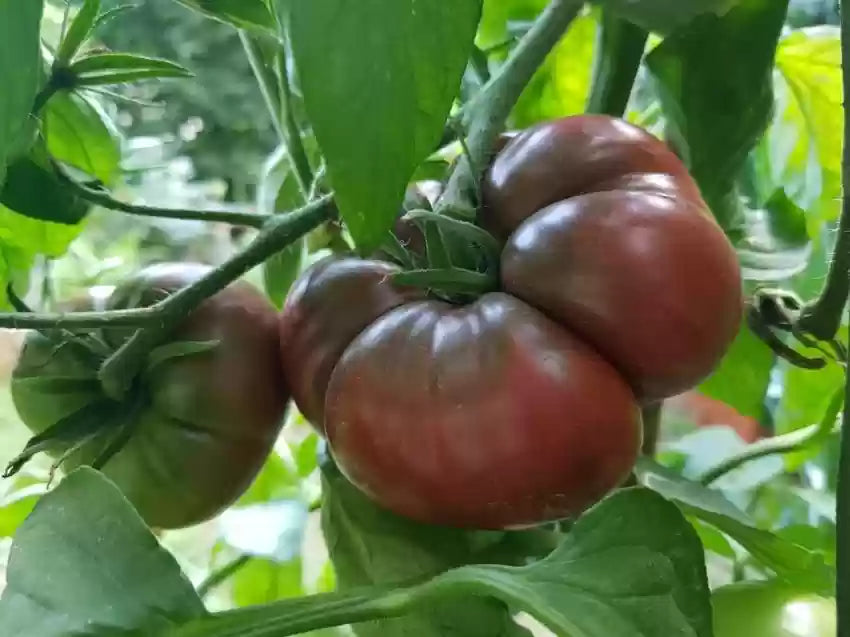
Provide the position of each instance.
(209, 419)
(570, 156)
(606, 232)
(328, 306)
(644, 278)
(486, 416)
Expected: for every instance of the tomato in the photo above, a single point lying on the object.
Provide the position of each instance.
(327, 307)
(608, 235)
(522, 405)
(771, 609)
(488, 415)
(207, 421)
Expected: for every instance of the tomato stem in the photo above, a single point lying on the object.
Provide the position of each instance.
(787, 443)
(274, 85)
(118, 371)
(101, 197)
(485, 117)
(619, 50)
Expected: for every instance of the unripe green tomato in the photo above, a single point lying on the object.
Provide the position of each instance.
(771, 609)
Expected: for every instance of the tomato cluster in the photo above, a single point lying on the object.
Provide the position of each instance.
(617, 289)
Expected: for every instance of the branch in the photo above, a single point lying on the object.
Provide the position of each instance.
(829, 306)
(117, 372)
(797, 440)
(135, 317)
(225, 572)
(618, 54)
(104, 199)
(278, 97)
(485, 118)
(822, 318)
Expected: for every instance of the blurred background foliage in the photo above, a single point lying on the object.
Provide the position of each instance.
(209, 141)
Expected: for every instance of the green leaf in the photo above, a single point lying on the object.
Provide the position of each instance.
(75, 566)
(714, 79)
(804, 142)
(686, 492)
(632, 565)
(665, 15)
(277, 480)
(561, 85)
(263, 581)
(20, 68)
(27, 236)
(33, 190)
(791, 562)
(78, 32)
(369, 545)
(99, 63)
(81, 134)
(16, 505)
(776, 246)
(21, 239)
(245, 14)
(742, 378)
(391, 119)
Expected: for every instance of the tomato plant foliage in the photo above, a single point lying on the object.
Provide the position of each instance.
(518, 331)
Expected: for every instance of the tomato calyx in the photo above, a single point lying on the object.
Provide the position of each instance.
(101, 420)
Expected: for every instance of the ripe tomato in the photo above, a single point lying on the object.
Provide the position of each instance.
(771, 609)
(327, 307)
(522, 405)
(488, 415)
(208, 420)
(608, 235)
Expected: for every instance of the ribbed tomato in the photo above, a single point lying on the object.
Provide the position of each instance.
(202, 424)
(607, 234)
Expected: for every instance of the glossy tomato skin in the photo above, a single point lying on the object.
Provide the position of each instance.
(566, 157)
(484, 416)
(648, 280)
(329, 305)
(210, 419)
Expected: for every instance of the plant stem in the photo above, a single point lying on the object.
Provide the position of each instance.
(301, 615)
(278, 96)
(487, 113)
(105, 200)
(651, 416)
(265, 80)
(217, 577)
(842, 494)
(294, 143)
(835, 294)
(135, 317)
(43, 96)
(822, 318)
(786, 443)
(619, 50)
(118, 371)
